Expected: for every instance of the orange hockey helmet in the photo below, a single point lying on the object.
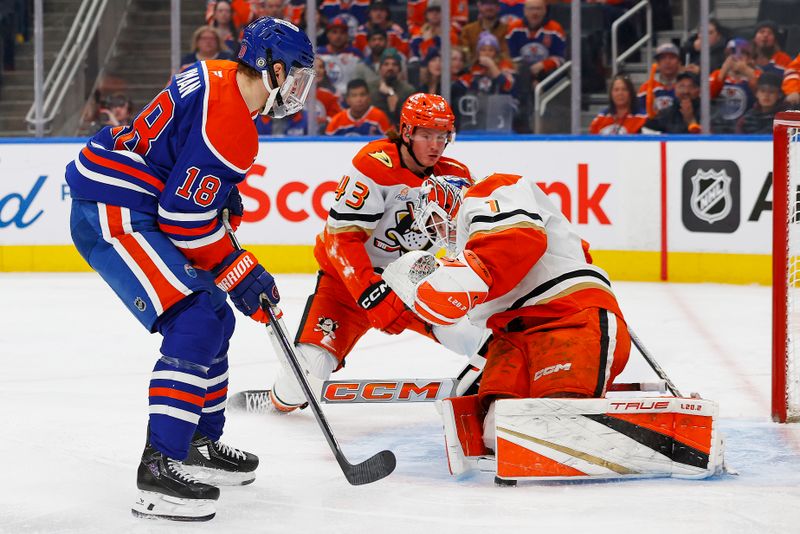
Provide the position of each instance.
(424, 110)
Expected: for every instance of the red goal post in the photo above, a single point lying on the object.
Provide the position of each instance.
(786, 268)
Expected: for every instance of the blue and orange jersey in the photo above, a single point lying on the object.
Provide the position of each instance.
(547, 44)
(663, 96)
(606, 123)
(512, 11)
(419, 44)
(178, 159)
(395, 36)
(355, 9)
(478, 79)
(736, 95)
(373, 122)
(791, 77)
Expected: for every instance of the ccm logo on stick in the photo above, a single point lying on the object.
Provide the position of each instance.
(365, 391)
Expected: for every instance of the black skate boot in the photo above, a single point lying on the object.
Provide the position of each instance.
(169, 491)
(214, 462)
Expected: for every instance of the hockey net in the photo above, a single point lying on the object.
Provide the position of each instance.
(786, 268)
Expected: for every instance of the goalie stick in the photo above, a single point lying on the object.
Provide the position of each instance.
(370, 470)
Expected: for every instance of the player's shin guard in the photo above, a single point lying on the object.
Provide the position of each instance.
(318, 364)
(607, 438)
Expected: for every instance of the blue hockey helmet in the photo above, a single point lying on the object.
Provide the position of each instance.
(267, 41)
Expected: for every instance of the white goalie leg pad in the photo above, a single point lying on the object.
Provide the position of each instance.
(607, 438)
(462, 436)
(316, 362)
(152, 505)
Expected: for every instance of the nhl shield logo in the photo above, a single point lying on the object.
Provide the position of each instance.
(711, 198)
(140, 304)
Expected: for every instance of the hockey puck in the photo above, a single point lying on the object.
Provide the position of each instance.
(505, 483)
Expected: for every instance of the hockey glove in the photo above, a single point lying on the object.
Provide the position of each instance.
(246, 281)
(384, 308)
(235, 208)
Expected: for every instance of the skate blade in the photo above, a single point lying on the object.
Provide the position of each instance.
(220, 477)
(151, 505)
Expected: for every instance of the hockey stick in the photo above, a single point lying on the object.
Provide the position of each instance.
(392, 391)
(370, 470)
(651, 361)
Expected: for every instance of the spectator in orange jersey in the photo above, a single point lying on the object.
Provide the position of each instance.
(536, 42)
(378, 17)
(791, 82)
(488, 21)
(683, 116)
(766, 50)
(423, 37)
(361, 117)
(657, 93)
(622, 116)
(206, 45)
(733, 86)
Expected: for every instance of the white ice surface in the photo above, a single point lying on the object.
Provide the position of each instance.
(73, 391)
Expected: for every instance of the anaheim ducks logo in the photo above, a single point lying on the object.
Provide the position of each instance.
(383, 157)
(402, 237)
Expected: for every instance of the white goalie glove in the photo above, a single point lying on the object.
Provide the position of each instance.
(440, 291)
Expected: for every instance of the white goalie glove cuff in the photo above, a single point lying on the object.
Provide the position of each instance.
(440, 291)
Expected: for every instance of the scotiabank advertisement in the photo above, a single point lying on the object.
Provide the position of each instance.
(715, 195)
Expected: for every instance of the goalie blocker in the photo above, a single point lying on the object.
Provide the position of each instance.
(575, 439)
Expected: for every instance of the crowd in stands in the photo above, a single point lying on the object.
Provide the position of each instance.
(373, 54)
(751, 80)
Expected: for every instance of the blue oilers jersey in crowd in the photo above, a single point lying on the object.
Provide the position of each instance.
(178, 160)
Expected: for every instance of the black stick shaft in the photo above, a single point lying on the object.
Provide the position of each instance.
(651, 361)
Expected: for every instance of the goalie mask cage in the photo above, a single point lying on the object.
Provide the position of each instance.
(786, 268)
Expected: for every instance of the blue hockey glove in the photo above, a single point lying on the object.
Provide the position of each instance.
(235, 208)
(246, 281)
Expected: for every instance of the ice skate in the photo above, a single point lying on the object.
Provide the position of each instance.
(214, 462)
(168, 491)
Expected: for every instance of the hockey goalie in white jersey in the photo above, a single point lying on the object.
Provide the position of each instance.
(515, 264)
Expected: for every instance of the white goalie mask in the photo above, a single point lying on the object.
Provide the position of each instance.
(437, 208)
(290, 97)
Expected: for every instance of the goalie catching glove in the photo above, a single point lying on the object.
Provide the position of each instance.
(246, 281)
(440, 291)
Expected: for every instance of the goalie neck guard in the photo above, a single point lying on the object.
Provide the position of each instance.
(436, 210)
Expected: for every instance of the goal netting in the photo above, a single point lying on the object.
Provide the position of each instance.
(786, 268)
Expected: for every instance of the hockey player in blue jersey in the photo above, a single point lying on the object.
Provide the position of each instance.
(146, 208)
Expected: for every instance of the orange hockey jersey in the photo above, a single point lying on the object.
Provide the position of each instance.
(369, 224)
(536, 259)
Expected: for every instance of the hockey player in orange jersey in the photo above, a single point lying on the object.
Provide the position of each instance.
(518, 267)
(369, 226)
(523, 272)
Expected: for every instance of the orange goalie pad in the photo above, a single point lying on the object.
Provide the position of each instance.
(575, 356)
(607, 438)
